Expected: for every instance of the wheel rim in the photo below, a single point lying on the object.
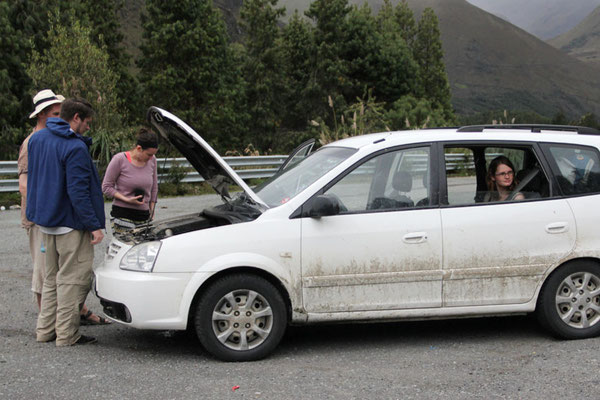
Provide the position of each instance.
(578, 300)
(242, 319)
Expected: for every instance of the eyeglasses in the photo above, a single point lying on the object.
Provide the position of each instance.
(506, 174)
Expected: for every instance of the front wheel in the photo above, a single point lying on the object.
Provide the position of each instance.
(240, 318)
(569, 303)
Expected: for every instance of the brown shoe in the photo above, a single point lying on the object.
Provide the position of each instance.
(85, 340)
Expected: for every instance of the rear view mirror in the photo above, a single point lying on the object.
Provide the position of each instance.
(323, 206)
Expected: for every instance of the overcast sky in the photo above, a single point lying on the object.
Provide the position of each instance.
(542, 18)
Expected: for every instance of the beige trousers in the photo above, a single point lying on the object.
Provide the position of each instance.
(69, 260)
(38, 258)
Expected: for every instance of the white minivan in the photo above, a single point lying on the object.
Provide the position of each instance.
(387, 226)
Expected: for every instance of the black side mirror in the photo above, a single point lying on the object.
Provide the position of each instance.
(323, 206)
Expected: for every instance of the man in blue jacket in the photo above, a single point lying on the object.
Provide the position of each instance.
(64, 198)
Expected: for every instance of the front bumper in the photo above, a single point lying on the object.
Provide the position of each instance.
(144, 300)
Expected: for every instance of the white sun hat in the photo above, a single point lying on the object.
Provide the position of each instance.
(43, 99)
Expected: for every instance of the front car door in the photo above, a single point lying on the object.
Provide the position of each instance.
(496, 252)
(384, 249)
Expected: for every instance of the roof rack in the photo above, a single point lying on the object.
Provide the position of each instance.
(536, 128)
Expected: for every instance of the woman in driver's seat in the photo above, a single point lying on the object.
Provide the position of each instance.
(501, 181)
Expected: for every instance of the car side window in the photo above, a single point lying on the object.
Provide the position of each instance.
(577, 169)
(483, 174)
(461, 176)
(389, 181)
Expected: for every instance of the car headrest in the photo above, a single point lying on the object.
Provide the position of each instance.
(402, 181)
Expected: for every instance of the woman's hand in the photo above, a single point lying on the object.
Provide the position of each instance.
(134, 199)
(130, 199)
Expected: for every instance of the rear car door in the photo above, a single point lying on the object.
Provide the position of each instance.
(497, 252)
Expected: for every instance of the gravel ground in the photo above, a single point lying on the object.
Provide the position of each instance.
(492, 358)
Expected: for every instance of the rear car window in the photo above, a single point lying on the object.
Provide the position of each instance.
(577, 168)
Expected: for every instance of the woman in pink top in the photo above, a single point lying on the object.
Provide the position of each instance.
(131, 180)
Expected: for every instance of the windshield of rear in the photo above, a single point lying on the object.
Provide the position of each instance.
(286, 184)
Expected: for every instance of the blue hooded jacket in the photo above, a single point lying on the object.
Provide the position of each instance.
(63, 187)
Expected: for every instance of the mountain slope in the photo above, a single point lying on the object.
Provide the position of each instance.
(492, 64)
(542, 18)
(583, 41)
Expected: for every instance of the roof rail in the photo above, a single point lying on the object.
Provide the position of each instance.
(536, 128)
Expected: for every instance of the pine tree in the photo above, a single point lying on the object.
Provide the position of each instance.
(330, 68)
(297, 50)
(188, 68)
(430, 57)
(24, 26)
(406, 22)
(12, 76)
(28, 23)
(102, 17)
(262, 70)
(361, 49)
(396, 70)
(74, 66)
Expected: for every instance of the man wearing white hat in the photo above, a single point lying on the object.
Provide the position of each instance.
(64, 197)
(46, 104)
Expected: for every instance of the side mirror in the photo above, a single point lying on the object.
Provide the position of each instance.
(323, 206)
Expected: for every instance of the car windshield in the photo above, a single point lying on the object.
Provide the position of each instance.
(286, 184)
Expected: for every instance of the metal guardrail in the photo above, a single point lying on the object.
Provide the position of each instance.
(247, 167)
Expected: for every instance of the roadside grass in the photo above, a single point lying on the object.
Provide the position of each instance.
(8, 199)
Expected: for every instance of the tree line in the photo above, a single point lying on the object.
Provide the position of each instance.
(339, 70)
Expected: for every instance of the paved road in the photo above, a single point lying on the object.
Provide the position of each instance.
(497, 358)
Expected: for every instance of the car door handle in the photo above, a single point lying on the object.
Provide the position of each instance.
(415, 237)
(557, 227)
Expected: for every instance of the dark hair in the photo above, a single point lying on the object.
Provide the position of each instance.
(77, 105)
(146, 139)
(500, 160)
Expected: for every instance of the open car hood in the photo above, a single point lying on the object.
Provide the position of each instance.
(201, 156)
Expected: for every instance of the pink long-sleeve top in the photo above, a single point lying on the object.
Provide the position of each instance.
(124, 177)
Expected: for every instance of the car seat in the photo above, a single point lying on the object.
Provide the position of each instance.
(537, 186)
(402, 184)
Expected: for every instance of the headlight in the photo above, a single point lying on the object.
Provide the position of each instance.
(141, 257)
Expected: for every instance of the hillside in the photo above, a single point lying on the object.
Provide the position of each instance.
(544, 19)
(491, 64)
(302, 5)
(583, 41)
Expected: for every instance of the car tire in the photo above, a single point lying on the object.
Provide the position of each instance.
(569, 302)
(232, 328)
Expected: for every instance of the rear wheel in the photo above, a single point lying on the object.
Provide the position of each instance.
(569, 303)
(240, 317)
